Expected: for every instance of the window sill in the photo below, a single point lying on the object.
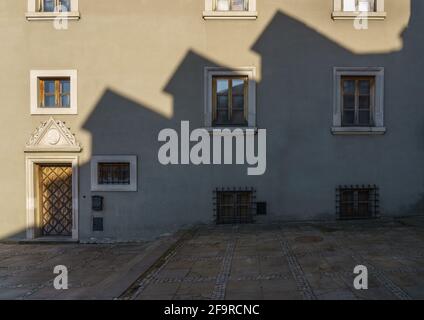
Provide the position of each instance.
(114, 188)
(234, 15)
(218, 131)
(341, 15)
(358, 130)
(54, 111)
(33, 16)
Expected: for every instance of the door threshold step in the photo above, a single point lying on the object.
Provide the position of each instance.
(49, 240)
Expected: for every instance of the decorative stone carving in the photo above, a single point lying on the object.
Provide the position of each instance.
(52, 136)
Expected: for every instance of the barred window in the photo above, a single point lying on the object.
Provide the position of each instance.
(234, 206)
(113, 173)
(357, 202)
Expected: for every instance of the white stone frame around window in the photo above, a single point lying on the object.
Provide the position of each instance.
(339, 14)
(33, 14)
(34, 92)
(96, 187)
(378, 112)
(210, 14)
(211, 72)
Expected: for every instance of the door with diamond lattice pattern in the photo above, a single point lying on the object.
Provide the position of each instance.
(56, 200)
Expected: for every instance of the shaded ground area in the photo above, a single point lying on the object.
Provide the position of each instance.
(277, 261)
(101, 271)
(291, 261)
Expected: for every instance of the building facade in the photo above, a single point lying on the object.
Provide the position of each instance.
(88, 86)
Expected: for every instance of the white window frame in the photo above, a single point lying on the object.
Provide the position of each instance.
(339, 14)
(210, 14)
(95, 186)
(33, 14)
(378, 112)
(210, 73)
(34, 92)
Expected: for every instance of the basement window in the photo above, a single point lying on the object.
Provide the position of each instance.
(230, 9)
(234, 206)
(352, 9)
(357, 202)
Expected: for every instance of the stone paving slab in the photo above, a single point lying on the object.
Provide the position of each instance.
(292, 261)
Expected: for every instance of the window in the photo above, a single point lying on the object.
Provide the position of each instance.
(54, 5)
(357, 202)
(230, 97)
(53, 91)
(231, 5)
(230, 101)
(358, 5)
(350, 9)
(51, 9)
(235, 206)
(358, 101)
(114, 173)
(230, 9)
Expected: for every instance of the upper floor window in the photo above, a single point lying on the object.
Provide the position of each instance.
(230, 9)
(230, 97)
(359, 5)
(54, 5)
(51, 9)
(53, 91)
(231, 5)
(358, 101)
(351, 9)
(230, 101)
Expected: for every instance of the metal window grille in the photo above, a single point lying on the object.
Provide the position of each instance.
(114, 173)
(357, 202)
(234, 205)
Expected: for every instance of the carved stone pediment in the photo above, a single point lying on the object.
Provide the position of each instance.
(52, 136)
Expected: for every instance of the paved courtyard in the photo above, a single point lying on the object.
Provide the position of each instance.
(291, 261)
(277, 261)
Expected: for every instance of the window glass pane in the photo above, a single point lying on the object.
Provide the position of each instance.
(349, 86)
(349, 117)
(222, 102)
(66, 86)
(48, 5)
(49, 101)
(364, 102)
(222, 86)
(364, 117)
(238, 5)
(238, 102)
(114, 173)
(238, 86)
(221, 117)
(66, 5)
(238, 118)
(65, 101)
(222, 5)
(49, 86)
(349, 101)
(364, 87)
